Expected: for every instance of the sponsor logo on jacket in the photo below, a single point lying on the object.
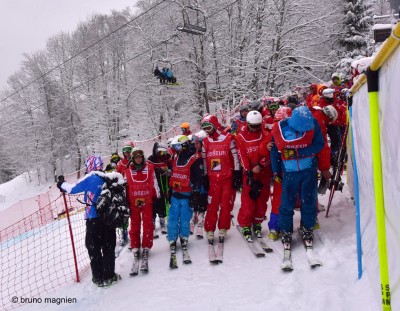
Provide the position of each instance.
(141, 193)
(216, 153)
(179, 176)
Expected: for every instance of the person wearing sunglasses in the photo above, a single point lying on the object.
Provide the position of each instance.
(222, 170)
(141, 189)
(184, 184)
(127, 147)
(161, 160)
(256, 177)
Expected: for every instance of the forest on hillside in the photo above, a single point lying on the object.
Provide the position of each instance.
(92, 88)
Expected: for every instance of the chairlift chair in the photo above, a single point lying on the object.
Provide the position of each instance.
(189, 26)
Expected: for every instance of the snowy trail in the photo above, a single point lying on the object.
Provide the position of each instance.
(242, 281)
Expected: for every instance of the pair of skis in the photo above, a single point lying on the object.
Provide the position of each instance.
(173, 263)
(313, 260)
(142, 263)
(257, 245)
(216, 256)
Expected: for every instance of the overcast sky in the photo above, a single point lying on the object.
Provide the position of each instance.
(25, 25)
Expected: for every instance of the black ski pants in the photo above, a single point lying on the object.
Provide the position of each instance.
(100, 242)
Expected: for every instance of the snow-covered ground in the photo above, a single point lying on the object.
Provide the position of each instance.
(20, 188)
(242, 281)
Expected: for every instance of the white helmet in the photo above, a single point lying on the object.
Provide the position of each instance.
(328, 93)
(254, 117)
(169, 141)
(331, 112)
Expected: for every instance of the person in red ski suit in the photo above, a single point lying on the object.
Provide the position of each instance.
(141, 188)
(127, 147)
(257, 177)
(265, 147)
(221, 169)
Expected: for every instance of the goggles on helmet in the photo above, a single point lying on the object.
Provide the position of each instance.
(137, 154)
(207, 127)
(162, 153)
(177, 147)
(127, 149)
(273, 106)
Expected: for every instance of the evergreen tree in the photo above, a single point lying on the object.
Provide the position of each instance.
(357, 23)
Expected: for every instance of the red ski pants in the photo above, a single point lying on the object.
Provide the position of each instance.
(253, 211)
(276, 197)
(139, 214)
(220, 199)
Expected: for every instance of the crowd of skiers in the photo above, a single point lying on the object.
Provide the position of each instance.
(191, 181)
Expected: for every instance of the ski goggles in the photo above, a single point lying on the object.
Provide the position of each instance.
(273, 106)
(137, 154)
(127, 149)
(177, 147)
(162, 153)
(207, 127)
(254, 126)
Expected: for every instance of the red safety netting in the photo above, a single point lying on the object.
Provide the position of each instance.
(37, 251)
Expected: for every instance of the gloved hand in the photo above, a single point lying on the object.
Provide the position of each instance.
(206, 183)
(250, 178)
(195, 199)
(237, 180)
(288, 153)
(277, 178)
(60, 181)
(255, 190)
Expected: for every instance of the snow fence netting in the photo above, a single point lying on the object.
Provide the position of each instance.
(389, 121)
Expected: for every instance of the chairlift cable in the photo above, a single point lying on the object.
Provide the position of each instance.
(85, 49)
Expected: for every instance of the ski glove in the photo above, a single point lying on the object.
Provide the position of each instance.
(255, 190)
(206, 183)
(60, 181)
(237, 180)
(195, 200)
(250, 178)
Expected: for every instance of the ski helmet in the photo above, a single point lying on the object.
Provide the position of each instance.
(254, 118)
(137, 152)
(331, 112)
(209, 123)
(301, 120)
(127, 146)
(182, 142)
(94, 163)
(255, 105)
(185, 127)
(328, 93)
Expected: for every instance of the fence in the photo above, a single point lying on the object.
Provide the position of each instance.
(37, 254)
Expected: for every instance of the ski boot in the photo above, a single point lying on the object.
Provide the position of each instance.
(185, 253)
(286, 240)
(144, 264)
(257, 230)
(246, 232)
(173, 264)
(115, 279)
(273, 235)
(307, 235)
(163, 225)
(135, 266)
(199, 231)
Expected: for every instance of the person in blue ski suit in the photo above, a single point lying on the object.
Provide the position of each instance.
(297, 140)
(100, 239)
(184, 183)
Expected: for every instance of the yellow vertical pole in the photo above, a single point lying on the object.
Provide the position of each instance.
(373, 88)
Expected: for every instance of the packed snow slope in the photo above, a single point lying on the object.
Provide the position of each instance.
(242, 281)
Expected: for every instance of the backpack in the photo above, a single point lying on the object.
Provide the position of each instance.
(111, 206)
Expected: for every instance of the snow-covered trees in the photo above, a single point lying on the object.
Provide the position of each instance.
(93, 88)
